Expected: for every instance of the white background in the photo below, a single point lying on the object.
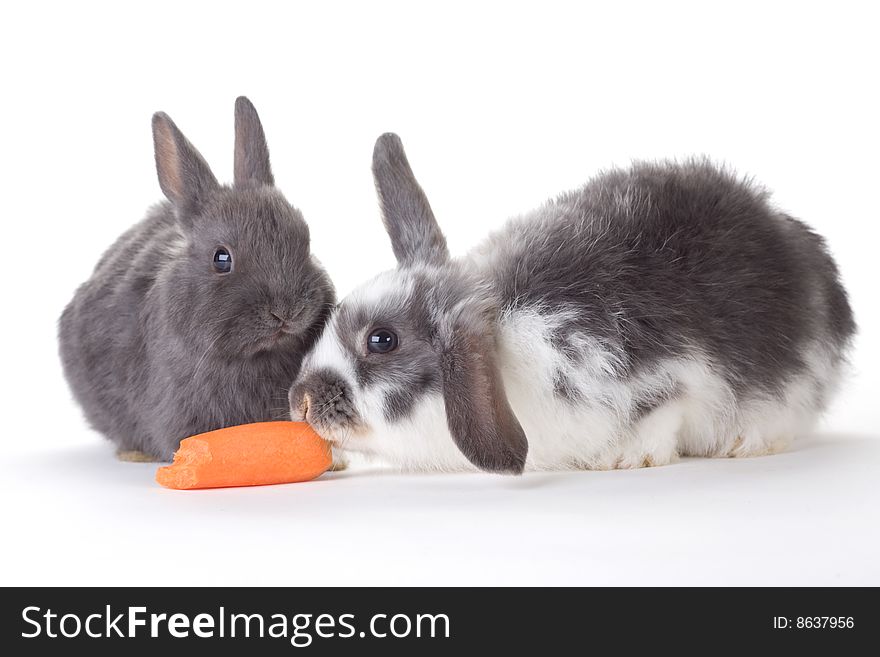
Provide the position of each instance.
(499, 106)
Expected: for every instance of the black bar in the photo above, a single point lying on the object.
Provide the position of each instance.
(541, 620)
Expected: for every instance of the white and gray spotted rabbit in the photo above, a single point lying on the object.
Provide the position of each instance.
(659, 311)
(198, 317)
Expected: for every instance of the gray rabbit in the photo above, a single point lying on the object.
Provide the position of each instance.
(197, 317)
(662, 310)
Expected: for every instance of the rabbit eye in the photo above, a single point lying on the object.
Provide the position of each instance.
(222, 261)
(381, 341)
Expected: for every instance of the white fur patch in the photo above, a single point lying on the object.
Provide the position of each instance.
(703, 418)
(420, 441)
(387, 285)
(328, 353)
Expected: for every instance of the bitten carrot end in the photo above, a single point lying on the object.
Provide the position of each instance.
(248, 455)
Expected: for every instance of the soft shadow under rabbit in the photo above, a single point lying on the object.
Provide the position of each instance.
(667, 309)
(197, 317)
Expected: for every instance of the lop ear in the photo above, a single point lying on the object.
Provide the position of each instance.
(415, 235)
(251, 152)
(184, 176)
(480, 419)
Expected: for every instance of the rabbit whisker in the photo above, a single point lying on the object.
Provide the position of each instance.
(205, 354)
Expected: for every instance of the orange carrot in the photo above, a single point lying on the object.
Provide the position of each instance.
(248, 455)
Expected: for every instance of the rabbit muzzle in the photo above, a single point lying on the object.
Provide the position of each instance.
(324, 400)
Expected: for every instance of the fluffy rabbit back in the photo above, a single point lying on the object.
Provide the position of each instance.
(199, 315)
(101, 339)
(671, 308)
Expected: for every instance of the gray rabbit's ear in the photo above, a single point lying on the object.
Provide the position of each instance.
(251, 152)
(415, 235)
(184, 176)
(479, 417)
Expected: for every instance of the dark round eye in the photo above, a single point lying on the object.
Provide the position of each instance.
(222, 261)
(381, 341)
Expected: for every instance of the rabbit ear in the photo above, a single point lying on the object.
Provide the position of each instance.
(477, 412)
(251, 152)
(415, 235)
(184, 176)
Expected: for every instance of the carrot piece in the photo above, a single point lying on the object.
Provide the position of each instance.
(248, 455)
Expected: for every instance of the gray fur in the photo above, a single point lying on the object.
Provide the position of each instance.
(251, 162)
(565, 388)
(156, 345)
(184, 176)
(666, 255)
(415, 235)
(479, 417)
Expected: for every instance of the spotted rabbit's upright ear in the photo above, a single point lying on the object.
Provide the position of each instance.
(415, 235)
(184, 176)
(251, 152)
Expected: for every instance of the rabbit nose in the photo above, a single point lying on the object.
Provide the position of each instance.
(300, 402)
(304, 406)
(322, 399)
(281, 322)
